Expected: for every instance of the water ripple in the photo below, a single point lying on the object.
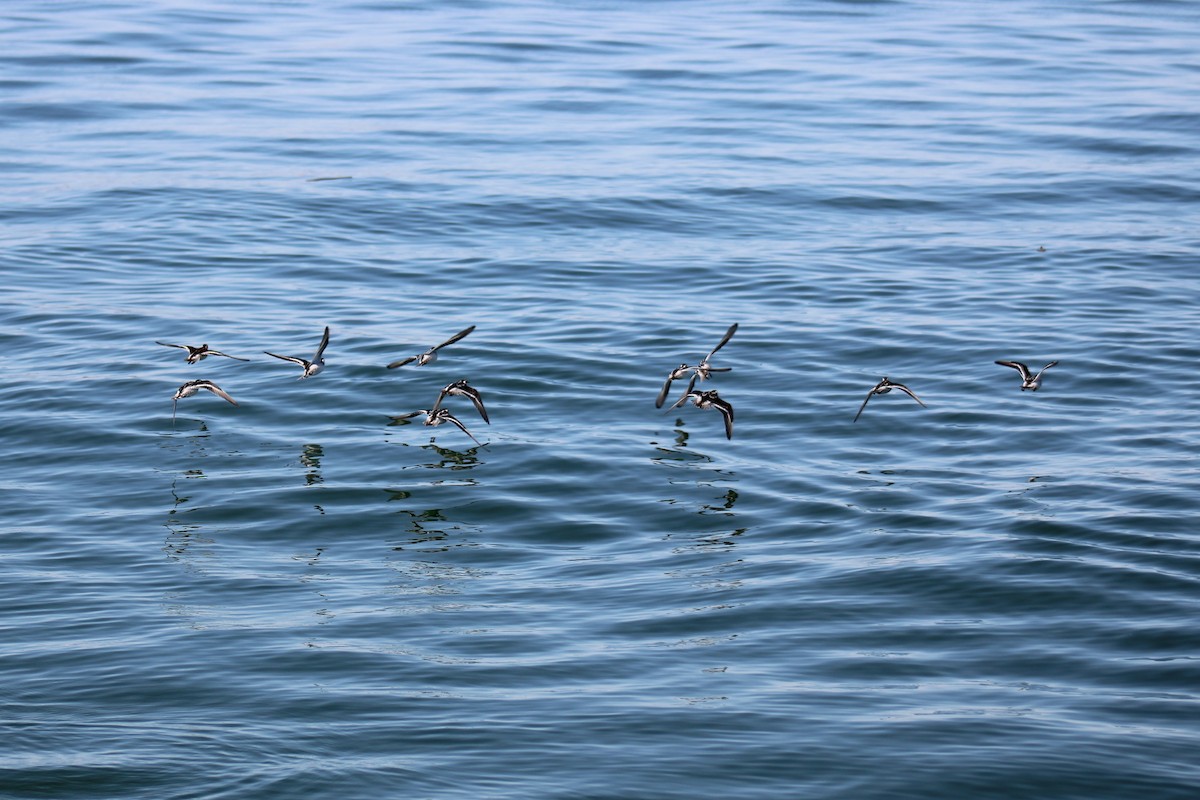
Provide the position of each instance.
(303, 596)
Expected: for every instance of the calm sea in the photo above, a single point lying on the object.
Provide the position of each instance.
(994, 596)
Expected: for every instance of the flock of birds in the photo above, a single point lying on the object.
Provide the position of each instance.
(311, 366)
(436, 415)
(710, 399)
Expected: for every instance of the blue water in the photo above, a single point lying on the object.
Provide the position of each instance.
(301, 597)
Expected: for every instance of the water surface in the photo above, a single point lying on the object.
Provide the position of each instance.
(994, 596)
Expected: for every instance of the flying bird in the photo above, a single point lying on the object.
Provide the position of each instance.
(436, 416)
(196, 354)
(461, 389)
(883, 387)
(1028, 379)
(430, 355)
(703, 370)
(310, 367)
(191, 387)
(710, 399)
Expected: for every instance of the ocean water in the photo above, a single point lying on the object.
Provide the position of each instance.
(994, 596)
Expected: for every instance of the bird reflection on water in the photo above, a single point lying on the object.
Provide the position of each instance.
(431, 525)
(447, 457)
(452, 459)
(693, 472)
(425, 528)
(183, 534)
(310, 457)
(729, 499)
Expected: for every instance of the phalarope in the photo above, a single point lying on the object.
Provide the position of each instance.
(883, 387)
(436, 416)
(710, 399)
(461, 389)
(310, 367)
(196, 354)
(430, 355)
(1028, 379)
(191, 387)
(703, 370)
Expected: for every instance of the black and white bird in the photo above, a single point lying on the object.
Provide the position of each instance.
(197, 354)
(710, 399)
(191, 387)
(430, 355)
(436, 416)
(1028, 379)
(703, 370)
(883, 387)
(310, 367)
(461, 389)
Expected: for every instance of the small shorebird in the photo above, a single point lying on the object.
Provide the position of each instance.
(191, 387)
(710, 399)
(200, 353)
(461, 389)
(703, 370)
(1028, 379)
(430, 355)
(310, 367)
(436, 416)
(883, 387)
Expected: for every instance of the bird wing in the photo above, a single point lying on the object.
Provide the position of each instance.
(219, 353)
(453, 338)
(689, 392)
(218, 391)
(180, 346)
(451, 418)
(870, 394)
(411, 414)
(441, 396)
(662, 395)
(402, 362)
(683, 400)
(908, 392)
(321, 347)
(1019, 367)
(1043, 369)
(292, 359)
(473, 394)
(728, 335)
(726, 411)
